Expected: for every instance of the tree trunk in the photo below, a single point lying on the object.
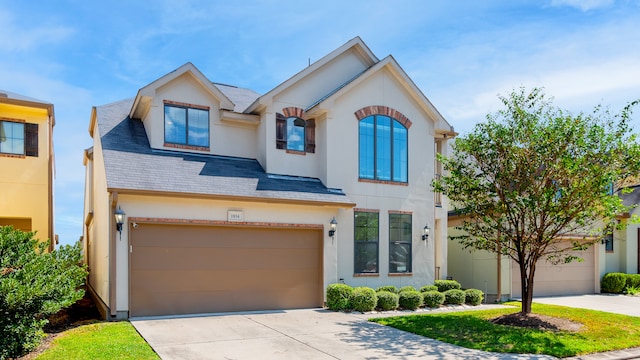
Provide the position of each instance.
(527, 290)
(524, 288)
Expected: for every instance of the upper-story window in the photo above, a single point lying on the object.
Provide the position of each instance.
(295, 134)
(18, 138)
(383, 149)
(185, 125)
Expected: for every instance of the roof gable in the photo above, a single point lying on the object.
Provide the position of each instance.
(145, 94)
(356, 45)
(389, 63)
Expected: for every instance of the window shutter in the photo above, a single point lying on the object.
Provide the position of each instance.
(31, 139)
(281, 131)
(310, 140)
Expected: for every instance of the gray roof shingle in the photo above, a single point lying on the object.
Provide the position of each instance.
(131, 164)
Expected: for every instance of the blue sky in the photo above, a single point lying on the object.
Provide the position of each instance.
(462, 54)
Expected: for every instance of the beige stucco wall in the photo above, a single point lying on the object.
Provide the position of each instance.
(477, 269)
(226, 138)
(25, 181)
(97, 234)
(216, 210)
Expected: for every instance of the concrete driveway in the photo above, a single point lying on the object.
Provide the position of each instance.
(613, 303)
(295, 334)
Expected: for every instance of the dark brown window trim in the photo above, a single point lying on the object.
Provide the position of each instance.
(178, 103)
(401, 274)
(366, 275)
(386, 182)
(401, 212)
(15, 156)
(366, 210)
(186, 147)
(295, 152)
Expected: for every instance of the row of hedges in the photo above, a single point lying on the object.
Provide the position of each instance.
(618, 283)
(344, 297)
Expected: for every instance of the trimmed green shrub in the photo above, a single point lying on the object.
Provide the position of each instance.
(363, 299)
(632, 281)
(406, 288)
(410, 300)
(34, 284)
(389, 288)
(613, 283)
(432, 299)
(473, 297)
(454, 297)
(338, 296)
(444, 285)
(387, 300)
(428, 288)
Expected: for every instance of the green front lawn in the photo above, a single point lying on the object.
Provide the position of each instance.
(471, 329)
(105, 340)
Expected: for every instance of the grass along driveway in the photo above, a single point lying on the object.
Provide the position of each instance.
(600, 331)
(103, 340)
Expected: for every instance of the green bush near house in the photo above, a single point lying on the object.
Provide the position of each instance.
(454, 297)
(428, 288)
(613, 283)
(338, 296)
(473, 297)
(407, 288)
(410, 300)
(445, 285)
(363, 299)
(632, 281)
(432, 299)
(387, 300)
(389, 288)
(34, 284)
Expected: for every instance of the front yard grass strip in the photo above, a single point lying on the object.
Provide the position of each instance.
(104, 340)
(601, 331)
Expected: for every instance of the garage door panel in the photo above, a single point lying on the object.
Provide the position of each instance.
(191, 280)
(206, 274)
(564, 279)
(172, 236)
(227, 259)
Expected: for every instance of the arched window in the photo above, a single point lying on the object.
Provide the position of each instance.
(383, 149)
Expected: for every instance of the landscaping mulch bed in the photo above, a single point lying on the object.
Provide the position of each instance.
(537, 321)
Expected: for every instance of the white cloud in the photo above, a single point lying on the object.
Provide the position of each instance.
(584, 5)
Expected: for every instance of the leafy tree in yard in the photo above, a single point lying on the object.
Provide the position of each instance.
(532, 176)
(33, 285)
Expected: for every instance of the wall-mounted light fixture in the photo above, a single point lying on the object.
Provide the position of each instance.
(119, 214)
(425, 232)
(332, 227)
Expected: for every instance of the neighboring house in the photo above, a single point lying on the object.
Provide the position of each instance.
(230, 195)
(622, 249)
(27, 165)
(618, 252)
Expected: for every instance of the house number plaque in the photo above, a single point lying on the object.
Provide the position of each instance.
(235, 215)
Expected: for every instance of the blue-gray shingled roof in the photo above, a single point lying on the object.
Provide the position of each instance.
(131, 164)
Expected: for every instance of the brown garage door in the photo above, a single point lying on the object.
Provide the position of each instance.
(181, 269)
(567, 279)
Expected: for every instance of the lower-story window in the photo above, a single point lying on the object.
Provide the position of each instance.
(366, 242)
(399, 243)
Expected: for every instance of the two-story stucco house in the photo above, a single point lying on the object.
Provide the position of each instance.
(27, 165)
(235, 200)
